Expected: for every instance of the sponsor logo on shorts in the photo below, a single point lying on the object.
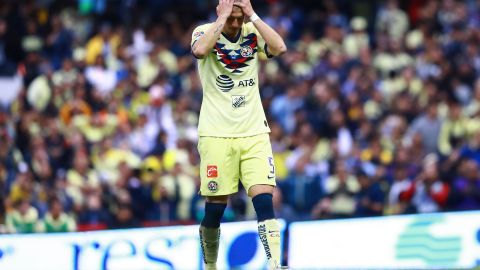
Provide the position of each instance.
(225, 83)
(213, 186)
(238, 101)
(212, 171)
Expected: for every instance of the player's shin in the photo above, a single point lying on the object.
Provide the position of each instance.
(268, 229)
(209, 241)
(210, 233)
(269, 232)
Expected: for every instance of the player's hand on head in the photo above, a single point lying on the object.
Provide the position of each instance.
(224, 8)
(246, 6)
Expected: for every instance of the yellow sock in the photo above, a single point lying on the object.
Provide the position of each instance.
(269, 232)
(209, 241)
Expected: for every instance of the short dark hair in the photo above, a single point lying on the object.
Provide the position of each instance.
(53, 200)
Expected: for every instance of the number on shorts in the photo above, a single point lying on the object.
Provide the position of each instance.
(272, 166)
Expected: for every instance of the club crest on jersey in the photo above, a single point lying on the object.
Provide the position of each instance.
(213, 186)
(246, 51)
(212, 171)
(236, 60)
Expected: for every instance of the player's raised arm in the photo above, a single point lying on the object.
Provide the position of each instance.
(204, 44)
(275, 43)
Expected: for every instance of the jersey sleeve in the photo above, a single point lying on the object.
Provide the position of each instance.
(198, 32)
(261, 44)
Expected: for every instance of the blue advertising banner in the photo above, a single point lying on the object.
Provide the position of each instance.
(136, 249)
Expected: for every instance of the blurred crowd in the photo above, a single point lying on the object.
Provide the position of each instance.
(374, 110)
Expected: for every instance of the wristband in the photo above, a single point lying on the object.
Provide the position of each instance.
(254, 17)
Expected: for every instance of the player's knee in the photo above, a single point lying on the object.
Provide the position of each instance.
(213, 214)
(260, 189)
(217, 199)
(263, 206)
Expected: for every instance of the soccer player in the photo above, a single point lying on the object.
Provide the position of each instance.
(234, 144)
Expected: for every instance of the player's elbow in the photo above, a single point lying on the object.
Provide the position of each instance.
(280, 49)
(283, 49)
(199, 52)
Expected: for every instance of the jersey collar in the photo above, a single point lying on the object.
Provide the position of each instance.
(233, 40)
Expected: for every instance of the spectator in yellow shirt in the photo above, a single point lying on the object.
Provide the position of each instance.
(103, 44)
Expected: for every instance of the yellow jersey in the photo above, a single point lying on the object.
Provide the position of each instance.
(231, 105)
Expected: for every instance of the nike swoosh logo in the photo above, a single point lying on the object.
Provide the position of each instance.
(271, 177)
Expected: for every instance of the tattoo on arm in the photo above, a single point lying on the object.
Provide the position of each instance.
(220, 27)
